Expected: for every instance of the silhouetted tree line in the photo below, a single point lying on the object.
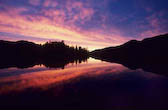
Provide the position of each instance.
(61, 50)
(149, 54)
(52, 54)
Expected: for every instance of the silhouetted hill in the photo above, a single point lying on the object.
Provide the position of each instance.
(149, 54)
(26, 54)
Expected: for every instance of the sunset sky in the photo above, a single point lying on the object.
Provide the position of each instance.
(89, 23)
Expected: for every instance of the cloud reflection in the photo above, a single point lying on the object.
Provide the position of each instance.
(43, 79)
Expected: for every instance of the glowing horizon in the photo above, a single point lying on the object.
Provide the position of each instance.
(91, 24)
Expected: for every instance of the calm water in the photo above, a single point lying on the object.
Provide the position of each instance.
(94, 85)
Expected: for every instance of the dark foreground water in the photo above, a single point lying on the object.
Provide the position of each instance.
(91, 85)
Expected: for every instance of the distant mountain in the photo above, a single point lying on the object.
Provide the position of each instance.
(150, 54)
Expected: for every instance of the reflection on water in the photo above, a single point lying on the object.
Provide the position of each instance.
(89, 85)
(39, 76)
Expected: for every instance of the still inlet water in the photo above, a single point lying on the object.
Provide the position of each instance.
(89, 85)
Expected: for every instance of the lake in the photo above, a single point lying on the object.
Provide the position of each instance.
(89, 85)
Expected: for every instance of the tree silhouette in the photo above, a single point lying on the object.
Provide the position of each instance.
(29, 53)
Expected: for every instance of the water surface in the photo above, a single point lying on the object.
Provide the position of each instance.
(93, 84)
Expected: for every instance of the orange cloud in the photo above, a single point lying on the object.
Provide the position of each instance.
(53, 25)
(83, 13)
(156, 24)
(50, 3)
